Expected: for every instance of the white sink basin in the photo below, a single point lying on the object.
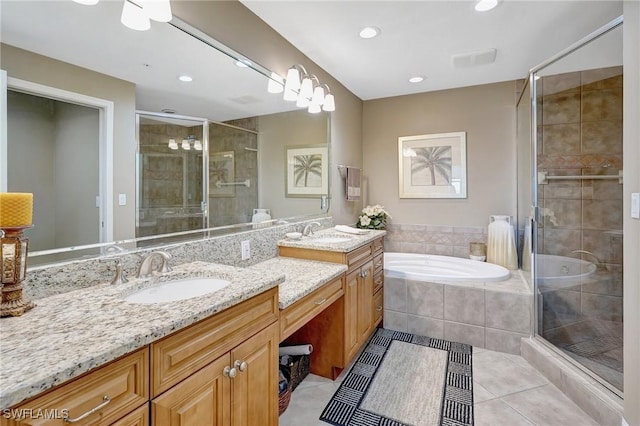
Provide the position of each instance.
(173, 291)
(331, 240)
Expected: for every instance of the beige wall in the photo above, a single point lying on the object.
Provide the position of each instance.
(486, 113)
(276, 132)
(237, 27)
(631, 148)
(49, 72)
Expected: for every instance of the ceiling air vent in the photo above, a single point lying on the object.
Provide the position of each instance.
(481, 57)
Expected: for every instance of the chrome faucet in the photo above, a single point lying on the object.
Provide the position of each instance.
(308, 228)
(146, 266)
(120, 276)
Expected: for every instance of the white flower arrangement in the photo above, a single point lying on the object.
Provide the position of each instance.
(373, 217)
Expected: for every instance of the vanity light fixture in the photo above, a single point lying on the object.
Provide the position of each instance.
(173, 144)
(136, 14)
(370, 32)
(276, 84)
(486, 5)
(305, 89)
(87, 2)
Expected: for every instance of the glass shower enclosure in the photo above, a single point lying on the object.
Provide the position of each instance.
(570, 201)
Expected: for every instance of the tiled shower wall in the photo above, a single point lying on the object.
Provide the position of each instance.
(580, 133)
(171, 182)
(431, 239)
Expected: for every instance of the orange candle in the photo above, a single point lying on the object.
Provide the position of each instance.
(16, 209)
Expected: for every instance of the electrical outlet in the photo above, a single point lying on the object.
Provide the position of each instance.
(245, 249)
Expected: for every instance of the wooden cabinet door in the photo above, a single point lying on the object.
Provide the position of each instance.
(254, 390)
(365, 301)
(351, 315)
(201, 399)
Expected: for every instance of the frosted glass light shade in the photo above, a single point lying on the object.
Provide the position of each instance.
(173, 144)
(306, 89)
(329, 103)
(197, 145)
(134, 17)
(302, 101)
(318, 96)
(293, 79)
(276, 84)
(185, 145)
(158, 10)
(314, 108)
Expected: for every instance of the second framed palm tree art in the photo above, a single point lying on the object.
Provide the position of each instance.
(306, 175)
(433, 166)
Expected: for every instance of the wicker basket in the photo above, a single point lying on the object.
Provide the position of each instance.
(299, 370)
(283, 399)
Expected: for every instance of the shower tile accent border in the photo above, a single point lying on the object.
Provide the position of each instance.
(49, 280)
(433, 239)
(486, 315)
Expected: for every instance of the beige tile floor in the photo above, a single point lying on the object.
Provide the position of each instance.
(507, 391)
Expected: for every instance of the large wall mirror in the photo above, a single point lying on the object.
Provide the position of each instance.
(93, 108)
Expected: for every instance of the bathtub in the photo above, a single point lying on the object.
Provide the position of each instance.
(557, 271)
(433, 268)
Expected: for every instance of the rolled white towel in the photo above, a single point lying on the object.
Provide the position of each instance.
(296, 350)
(350, 230)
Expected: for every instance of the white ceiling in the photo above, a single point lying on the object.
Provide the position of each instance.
(419, 38)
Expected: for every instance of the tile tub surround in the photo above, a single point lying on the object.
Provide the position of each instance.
(49, 280)
(70, 334)
(432, 239)
(486, 315)
(301, 276)
(601, 404)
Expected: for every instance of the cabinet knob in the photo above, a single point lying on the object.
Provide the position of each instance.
(105, 401)
(230, 372)
(240, 365)
(364, 274)
(379, 308)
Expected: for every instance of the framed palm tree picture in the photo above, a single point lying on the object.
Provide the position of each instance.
(433, 166)
(306, 175)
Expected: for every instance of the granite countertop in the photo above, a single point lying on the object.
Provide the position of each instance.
(351, 241)
(71, 333)
(301, 276)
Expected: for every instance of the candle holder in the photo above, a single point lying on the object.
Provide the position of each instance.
(13, 270)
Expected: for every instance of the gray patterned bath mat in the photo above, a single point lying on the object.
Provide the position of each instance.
(403, 379)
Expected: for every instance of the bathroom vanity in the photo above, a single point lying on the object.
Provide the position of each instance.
(339, 331)
(92, 357)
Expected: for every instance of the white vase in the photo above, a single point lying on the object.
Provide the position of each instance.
(501, 245)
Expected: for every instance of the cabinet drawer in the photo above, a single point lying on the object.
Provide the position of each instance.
(359, 255)
(124, 382)
(177, 356)
(378, 306)
(295, 316)
(378, 245)
(378, 281)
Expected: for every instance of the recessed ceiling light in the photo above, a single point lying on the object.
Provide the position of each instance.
(185, 78)
(370, 32)
(416, 79)
(486, 5)
(168, 111)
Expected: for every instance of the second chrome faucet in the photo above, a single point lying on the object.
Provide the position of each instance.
(146, 266)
